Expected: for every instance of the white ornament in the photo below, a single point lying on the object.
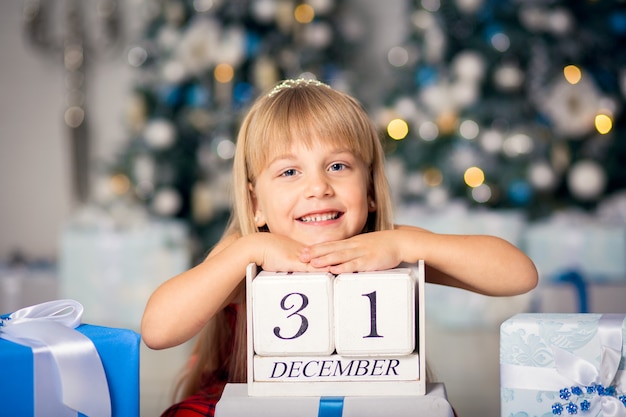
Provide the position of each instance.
(318, 35)
(560, 21)
(508, 77)
(465, 93)
(173, 71)
(469, 6)
(160, 133)
(491, 141)
(572, 108)
(517, 144)
(167, 202)
(231, 48)
(586, 180)
(322, 7)
(264, 10)
(144, 168)
(198, 46)
(469, 66)
(542, 176)
(437, 197)
(168, 38)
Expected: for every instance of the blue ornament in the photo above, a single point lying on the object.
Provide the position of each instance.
(617, 22)
(170, 94)
(426, 75)
(557, 409)
(520, 193)
(253, 44)
(243, 92)
(197, 96)
(565, 394)
(577, 391)
(492, 30)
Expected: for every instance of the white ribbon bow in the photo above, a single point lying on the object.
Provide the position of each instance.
(573, 370)
(585, 373)
(68, 374)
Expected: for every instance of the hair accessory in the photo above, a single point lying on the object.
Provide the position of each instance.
(285, 84)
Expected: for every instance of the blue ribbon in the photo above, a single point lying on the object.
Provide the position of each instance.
(330, 407)
(576, 279)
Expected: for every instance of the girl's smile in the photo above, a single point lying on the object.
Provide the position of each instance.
(320, 217)
(313, 194)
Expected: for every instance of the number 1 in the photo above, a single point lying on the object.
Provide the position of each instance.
(373, 330)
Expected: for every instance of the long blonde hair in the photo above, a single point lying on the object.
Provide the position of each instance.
(294, 110)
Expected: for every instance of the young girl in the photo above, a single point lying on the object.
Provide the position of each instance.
(309, 195)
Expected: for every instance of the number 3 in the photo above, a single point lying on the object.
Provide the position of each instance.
(304, 323)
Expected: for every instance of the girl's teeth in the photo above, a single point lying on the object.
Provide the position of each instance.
(319, 217)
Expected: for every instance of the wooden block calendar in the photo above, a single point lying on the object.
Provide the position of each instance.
(316, 334)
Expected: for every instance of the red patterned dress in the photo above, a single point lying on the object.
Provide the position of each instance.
(202, 403)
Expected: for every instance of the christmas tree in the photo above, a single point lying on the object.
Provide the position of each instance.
(200, 65)
(510, 103)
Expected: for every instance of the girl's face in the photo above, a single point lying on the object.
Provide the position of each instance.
(313, 194)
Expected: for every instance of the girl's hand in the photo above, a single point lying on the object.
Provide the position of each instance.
(365, 252)
(278, 253)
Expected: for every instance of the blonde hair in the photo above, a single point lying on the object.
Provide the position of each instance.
(294, 110)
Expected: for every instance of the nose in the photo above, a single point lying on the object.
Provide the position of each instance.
(318, 185)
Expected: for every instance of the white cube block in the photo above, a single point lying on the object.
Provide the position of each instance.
(375, 313)
(292, 314)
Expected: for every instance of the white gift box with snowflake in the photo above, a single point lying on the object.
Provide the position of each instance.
(563, 364)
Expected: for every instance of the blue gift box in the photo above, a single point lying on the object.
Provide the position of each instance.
(563, 364)
(118, 350)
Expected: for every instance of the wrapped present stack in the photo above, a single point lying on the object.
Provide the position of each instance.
(455, 308)
(563, 364)
(112, 263)
(581, 260)
(352, 344)
(55, 366)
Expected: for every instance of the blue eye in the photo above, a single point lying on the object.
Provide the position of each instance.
(288, 173)
(337, 166)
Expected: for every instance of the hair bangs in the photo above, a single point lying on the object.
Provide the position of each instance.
(309, 116)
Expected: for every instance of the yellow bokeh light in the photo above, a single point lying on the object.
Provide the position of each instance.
(120, 184)
(572, 74)
(397, 129)
(433, 177)
(474, 177)
(224, 73)
(603, 123)
(447, 122)
(304, 13)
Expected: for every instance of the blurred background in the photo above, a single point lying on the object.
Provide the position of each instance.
(118, 122)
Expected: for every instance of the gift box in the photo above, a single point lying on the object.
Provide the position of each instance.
(457, 308)
(563, 364)
(113, 269)
(571, 243)
(235, 402)
(577, 296)
(117, 352)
